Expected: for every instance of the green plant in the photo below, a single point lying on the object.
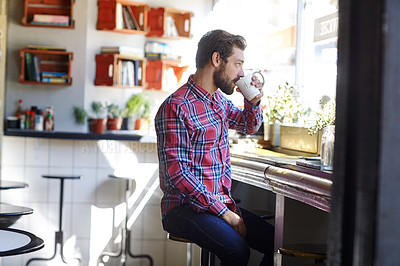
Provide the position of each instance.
(114, 111)
(146, 110)
(134, 104)
(284, 106)
(324, 117)
(98, 110)
(80, 115)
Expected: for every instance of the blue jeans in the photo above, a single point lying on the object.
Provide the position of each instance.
(215, 235)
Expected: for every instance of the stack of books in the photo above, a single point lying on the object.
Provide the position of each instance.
(55, 77)
(122, 50)
(160, 51)
(125, 19)
(54, 20)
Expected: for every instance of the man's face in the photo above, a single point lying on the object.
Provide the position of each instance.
(228, 73)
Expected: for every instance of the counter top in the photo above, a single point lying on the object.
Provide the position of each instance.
(284, 175)
(126, 135)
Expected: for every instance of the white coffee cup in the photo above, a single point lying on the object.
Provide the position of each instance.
(249, 91)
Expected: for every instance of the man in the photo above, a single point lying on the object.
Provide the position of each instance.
(193, 149)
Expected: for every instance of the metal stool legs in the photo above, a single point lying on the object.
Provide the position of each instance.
(125, 251)
(207, 258)
(59, 235)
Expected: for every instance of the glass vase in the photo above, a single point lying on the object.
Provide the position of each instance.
(327, 147)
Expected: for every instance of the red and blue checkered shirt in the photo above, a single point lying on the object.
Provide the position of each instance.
(193, 147)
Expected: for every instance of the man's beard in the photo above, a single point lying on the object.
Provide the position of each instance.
(222, 81)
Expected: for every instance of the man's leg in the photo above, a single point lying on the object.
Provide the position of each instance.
(209, 232)
(259, 236)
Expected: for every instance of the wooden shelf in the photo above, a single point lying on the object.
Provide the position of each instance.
(110, 71)
(122, 16)
(169, 23)
(48, 61)
(48, 7)
(156, 72)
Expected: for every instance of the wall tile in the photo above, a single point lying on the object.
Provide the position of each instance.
(61, 153)
(85, 153)
(37, 152)
(84, 190)
(13, 151)
(16, 174)
(152, 223)
(38, 186)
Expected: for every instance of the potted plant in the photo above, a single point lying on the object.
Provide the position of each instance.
(142, 122)
(97, 121)
(133, 106)
(80, 115)
(283, 106)
(114, 117)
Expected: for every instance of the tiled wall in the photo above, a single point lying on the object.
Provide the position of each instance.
(93, 205)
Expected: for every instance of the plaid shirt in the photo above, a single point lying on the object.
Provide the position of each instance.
(193, 147)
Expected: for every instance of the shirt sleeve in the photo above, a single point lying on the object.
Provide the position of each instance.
(247, 120)
(175, 152)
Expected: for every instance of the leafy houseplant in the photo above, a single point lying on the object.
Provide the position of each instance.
(97, 122)
(132, 111)
(114, 117)
(283, 106)
(80, 115)
(142, 123)
(324, 117)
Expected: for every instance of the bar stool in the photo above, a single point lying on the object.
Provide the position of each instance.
(317, 252)
(59, 235)
(124, 249)
(207, 258)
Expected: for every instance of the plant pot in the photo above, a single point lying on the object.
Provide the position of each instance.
(142, 124)
(272, 133)
(129, 123)
(97, 125)
(114, 123)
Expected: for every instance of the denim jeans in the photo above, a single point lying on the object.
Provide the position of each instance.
(215, 235)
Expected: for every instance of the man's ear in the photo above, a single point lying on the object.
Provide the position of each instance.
(216, 59)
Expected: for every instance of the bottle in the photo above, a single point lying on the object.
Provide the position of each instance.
(39, 120)
(19, 110)
(327, 147)
(32, 121)
(48, 123)
(27, 119)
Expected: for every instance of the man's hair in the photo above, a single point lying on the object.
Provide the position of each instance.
(218, 41)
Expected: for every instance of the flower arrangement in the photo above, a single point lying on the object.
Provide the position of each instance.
(284, 106)
(324, 117)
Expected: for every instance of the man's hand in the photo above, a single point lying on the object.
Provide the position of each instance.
(258, 84)
(235, 222)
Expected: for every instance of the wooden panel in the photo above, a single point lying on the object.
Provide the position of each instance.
(105, 75)
(156, 22)
(106, 15)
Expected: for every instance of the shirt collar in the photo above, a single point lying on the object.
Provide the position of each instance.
(199, 91)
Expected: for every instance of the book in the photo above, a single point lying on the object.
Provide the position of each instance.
(57, 19)
(160, 56)
(119, 20)
(132, 16)
(45, 47)
(128, 22)
(29, 67)
(136, 72)
(54, 80)
(36, 64)
(54, 74)
(123, 50)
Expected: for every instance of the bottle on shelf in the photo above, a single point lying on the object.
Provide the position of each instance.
(19, 110)
(32, 121)
(27, 119)
(39, 120)
(48, 123)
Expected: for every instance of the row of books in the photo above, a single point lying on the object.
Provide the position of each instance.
(125, 18)
(33, 71)
(56, 20)
(129, 73)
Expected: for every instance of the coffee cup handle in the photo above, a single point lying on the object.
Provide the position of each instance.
(262, 76)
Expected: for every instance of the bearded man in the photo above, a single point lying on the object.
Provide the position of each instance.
(194, 160)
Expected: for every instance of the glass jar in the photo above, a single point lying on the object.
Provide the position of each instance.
(327, 147)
